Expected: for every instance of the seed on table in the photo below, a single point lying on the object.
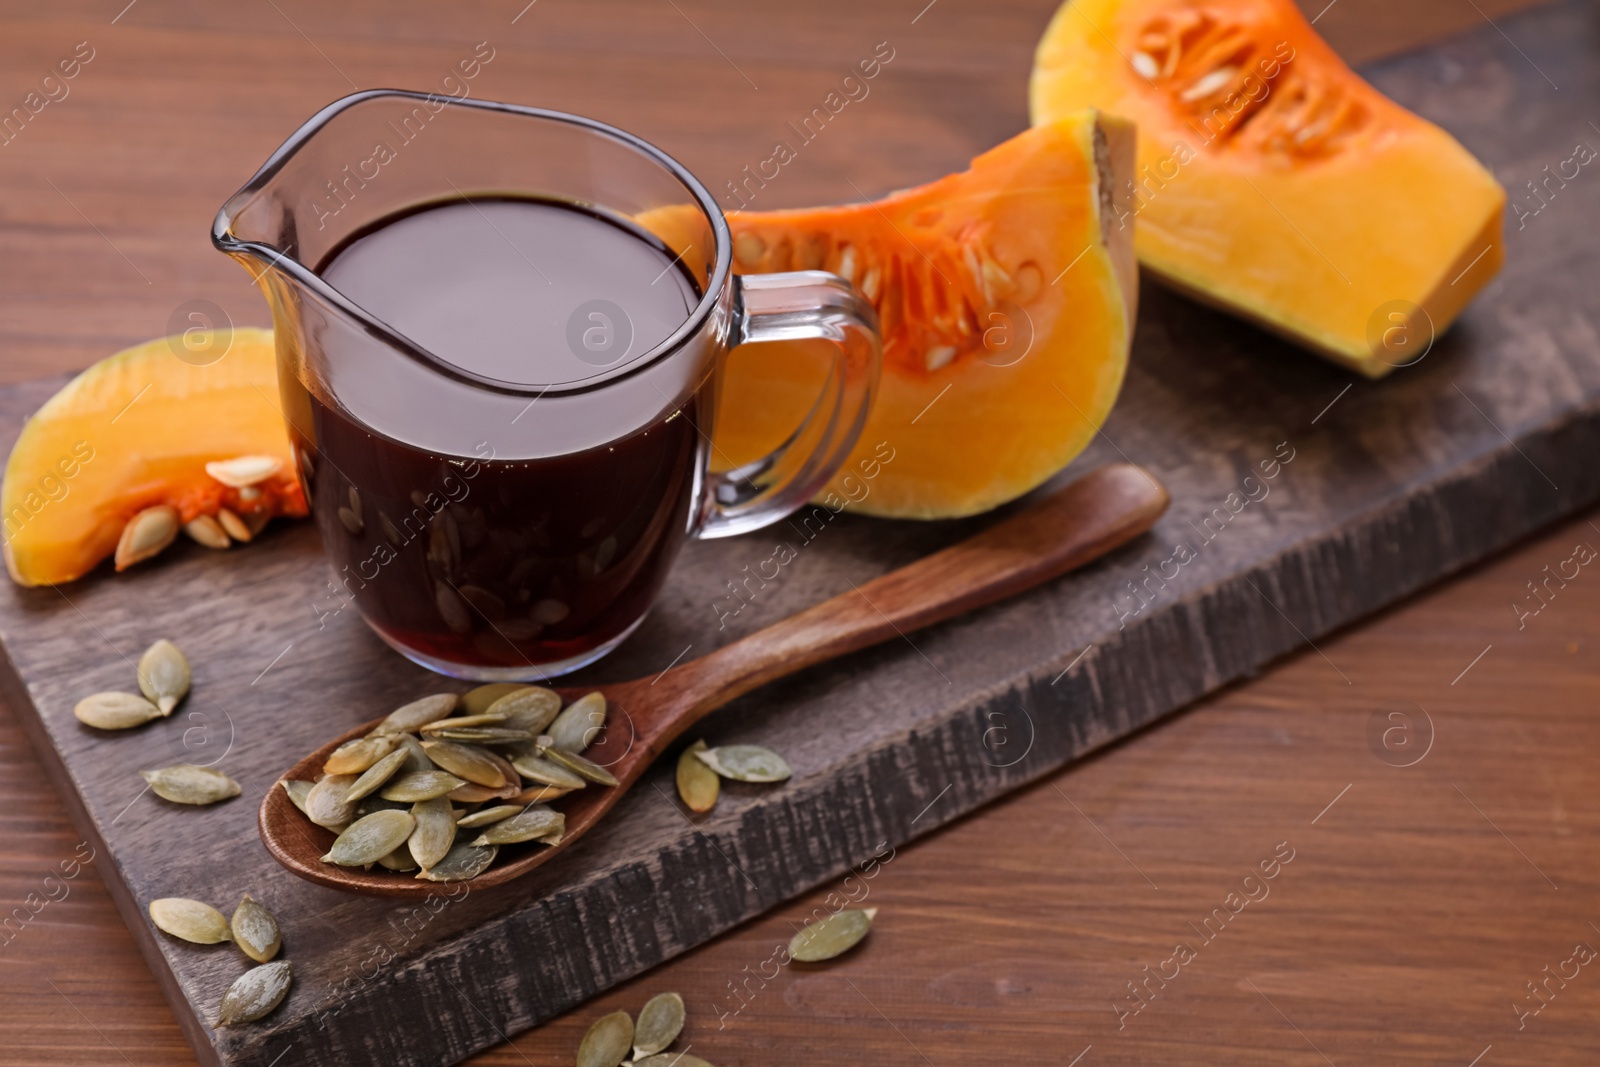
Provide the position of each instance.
(608, 1041)
(255, 931)
(464, 761)
(576, 728)
(746, 763)
(827, 938)
(698, 784)
(376, 775)
(413, 786)
(462, 862)
(255, 993)
(534, 822)
(164, 675)
(115, 711)
(191, 920)
(528, 708)
(353, 757)
(370, 838)
(581, 767)
(435, 831)
(417, 714)
(660, 1023)
(188, 784)
(672, 1059)
(327, 804)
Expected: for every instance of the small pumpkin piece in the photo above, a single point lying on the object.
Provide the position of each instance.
(698, 784)
(608, 1041)
(164, 675)
(255, 993)
(660, 1023)
(255, 931)
(115, 711)
(833, 936)
(188, 784)
(190, 920)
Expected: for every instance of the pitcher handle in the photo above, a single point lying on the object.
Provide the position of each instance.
(790, 307)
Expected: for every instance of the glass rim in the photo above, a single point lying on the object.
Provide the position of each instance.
(224, 239)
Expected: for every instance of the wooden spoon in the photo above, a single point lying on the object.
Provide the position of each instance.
(1076, 524)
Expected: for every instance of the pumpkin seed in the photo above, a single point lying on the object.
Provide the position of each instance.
(576, 728)
(477, 701)
(607, 1042)
(535, 821)
(376, 775)
(698, 784)
(234, 526)
(255, 993)
(398, 860)
(486, 719)
(580, 766)
(468, 793)
(297, 791)
(660, 1023)
(547, 772)
(745, 763)
(370, 838)
(353, 757)
(367, 805)
(528, 707)
(671, 1059)
(488, 816)
(417, 714)
(206, 530)
(483, 735)
(413, 786)
(187, 784)
(464, 761)
(255, 931)
(327, 804)
(164, 675)
(827, 938)
(435, 832)
(463, 861)
(146, 535)
(115, 711)
(540, 793)
(190, 920)
(244, 471)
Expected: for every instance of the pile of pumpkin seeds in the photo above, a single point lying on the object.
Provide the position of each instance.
(616, 1038)
(259, 990)
(444, 782)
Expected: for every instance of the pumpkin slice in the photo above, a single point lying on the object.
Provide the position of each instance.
(1272, 180)
(145, 444)
(1005, 295)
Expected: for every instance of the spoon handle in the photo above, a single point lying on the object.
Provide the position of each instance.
(1076, 524)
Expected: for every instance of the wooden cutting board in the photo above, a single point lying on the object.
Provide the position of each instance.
(1379, 489)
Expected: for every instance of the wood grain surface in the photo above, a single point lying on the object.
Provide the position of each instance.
(1418, 924)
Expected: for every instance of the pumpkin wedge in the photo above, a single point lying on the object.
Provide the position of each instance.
(1272, 180)
(1005, 294)
(143, 445)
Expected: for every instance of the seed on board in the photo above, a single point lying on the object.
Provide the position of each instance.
(745, 763)
(298, 791)
(115, 711)
(672, 1059)
(535, 821)
(462, 862)
(164, 675)
(528, 707)
(413, 786)
(255, 931)
(488, 816)
(328, 803)
(146, 534)
(376, 775)
(698, 784)
(464, 761)
(370, 838)
(188, 784)
(191, 920)
(660, 1023)
(546, 772)
(255, 993)
(581, 767)
(353, 757)
(417, 714)
(608, 1041)
(827, 938)
(576, 728)
(435, 831)
(477, 701)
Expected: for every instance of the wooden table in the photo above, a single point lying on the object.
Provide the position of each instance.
(1419, 899)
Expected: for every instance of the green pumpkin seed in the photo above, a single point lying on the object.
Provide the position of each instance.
(413, 786)
(546, 772)
(353, 757)
(326, 804)
(580, 766)
(468, 793)
(376, 775)
(473, 764)
(698, 784)
(370, 838)
(190, 920)
(297, 791)
(416, 759)
(463, 861)
(528, 708)
(486, 719)
(435, 832)
(671, 1059)
(488, 816)
(607, 1042)
(483, 735)
(576, 728)
(255, 931)
(660, 1023)
(827, 938)
(368, 805)
(399, 860)
(115, 711)
(417, 714)
(535, 821)
(164, 675)
(187, 784)
(745, 763)
(539, 794)
(477, 701)
(255, 993)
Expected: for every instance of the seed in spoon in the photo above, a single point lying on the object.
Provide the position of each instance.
(538, 794)
(417, 714)
(164, 675)
(698, 784)
(413, 786)
(255, 931)
(608, 1041)
(477, 701)
(827, 938)
(435, 831)
(488, 816)
(464, 761)
(398, 860)
(745, 763)
(298, 791)
(353, 757)
(535, 822)
(660, 1023)
(546, 772)
(462, 862)
(328, 803)
(255, 993)
(576, 728)
(528, 707)
(191, 920)
(187, 784)
(581, 767)
(373, 778)
(370, 838)
(483, 735)
(115, 711)
(454, 721)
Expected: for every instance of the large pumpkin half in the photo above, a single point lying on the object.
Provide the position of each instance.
(1005, 294)
(1274, 181)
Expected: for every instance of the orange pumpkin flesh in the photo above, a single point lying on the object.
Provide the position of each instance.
(1275, 182)
(133, 432)
(1005, 295)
